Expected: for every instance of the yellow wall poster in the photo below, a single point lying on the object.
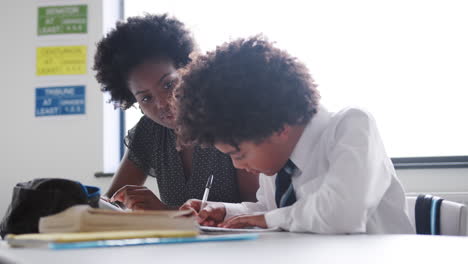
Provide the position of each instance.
(61, 60)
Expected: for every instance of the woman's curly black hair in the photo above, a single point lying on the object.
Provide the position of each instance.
(134, 42)
(245, 90)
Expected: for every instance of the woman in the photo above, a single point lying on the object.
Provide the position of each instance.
(139, 62)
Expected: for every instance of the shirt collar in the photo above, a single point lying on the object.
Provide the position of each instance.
(310, 137)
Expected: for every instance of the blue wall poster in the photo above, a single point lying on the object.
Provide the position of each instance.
(63, 100)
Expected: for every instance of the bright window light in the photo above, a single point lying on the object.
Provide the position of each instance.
(405, 61)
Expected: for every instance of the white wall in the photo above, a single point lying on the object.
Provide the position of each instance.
(66, 147)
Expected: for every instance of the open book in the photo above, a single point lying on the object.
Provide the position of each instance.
(83, 218)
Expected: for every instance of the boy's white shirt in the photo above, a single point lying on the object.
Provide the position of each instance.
(345, 182)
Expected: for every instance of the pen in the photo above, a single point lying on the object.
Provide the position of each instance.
(207, 192)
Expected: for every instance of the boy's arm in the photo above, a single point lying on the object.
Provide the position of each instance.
(357, 178)
(263, 195)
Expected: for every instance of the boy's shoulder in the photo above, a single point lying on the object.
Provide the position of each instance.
(352, 117)
(352, 111)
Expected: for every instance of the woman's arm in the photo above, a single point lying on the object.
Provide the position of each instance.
(127, 174)
(127, 188)
(248, 185)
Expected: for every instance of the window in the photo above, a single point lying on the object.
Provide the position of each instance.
(405, 61)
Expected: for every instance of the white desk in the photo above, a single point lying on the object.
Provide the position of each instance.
(271, 248)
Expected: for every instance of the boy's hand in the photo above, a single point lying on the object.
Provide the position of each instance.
(138, 197)
(245, 221)
(211, 215)
(193, 205)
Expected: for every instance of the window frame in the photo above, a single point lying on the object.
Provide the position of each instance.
(435, 162)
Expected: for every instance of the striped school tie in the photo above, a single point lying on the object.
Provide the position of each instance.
(285, 195)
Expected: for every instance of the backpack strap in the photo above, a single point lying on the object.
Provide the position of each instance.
(435, 215)
(422, 213)
(427, 214)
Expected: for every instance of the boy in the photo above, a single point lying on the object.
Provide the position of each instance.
(321, 172)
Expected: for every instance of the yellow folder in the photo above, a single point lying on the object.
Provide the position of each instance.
(42, 239)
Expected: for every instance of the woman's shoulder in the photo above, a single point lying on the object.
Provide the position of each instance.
(147, 126)
(211, 157)
(146, 122)
(147, 130)
(210, 151)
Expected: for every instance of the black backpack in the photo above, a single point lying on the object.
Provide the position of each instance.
(42, 197)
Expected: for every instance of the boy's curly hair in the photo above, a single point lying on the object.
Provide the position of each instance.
(245, 90)
(134, 42)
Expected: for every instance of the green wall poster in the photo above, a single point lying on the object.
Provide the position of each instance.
(62, 19)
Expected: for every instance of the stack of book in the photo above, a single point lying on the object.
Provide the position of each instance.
(81, 226)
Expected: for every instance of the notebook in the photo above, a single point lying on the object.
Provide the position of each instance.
(83, 218)
(153, 241)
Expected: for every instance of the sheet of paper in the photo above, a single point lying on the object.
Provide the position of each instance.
(60, 100)
(111, 206)
(61, 60)
(68, 19)
(222, 229)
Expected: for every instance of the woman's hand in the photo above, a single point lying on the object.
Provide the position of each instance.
(137, 197)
